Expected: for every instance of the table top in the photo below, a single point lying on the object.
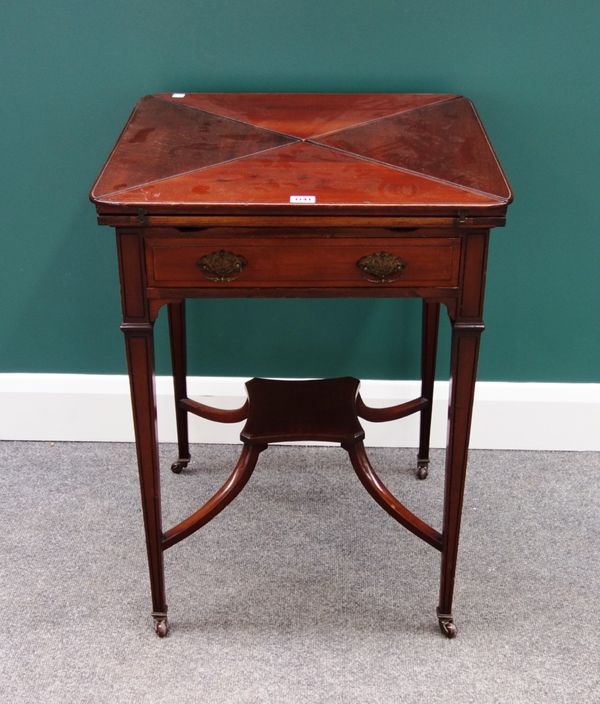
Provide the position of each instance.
(303, 153)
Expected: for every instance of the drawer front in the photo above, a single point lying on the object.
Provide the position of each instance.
(303, 262)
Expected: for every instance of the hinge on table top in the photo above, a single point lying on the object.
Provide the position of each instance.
(462, 218)
(141, 216)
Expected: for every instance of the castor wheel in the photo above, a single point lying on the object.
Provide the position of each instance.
(161, 624)
(447, 626)
(178, 465)
(422, 469)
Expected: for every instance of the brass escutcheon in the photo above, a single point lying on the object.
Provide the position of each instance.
(222, 266)
(381, 267)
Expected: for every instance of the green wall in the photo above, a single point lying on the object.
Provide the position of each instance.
(71, 72)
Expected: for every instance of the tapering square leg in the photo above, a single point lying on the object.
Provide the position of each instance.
(465, 349)
(140, 361)
(177, 335)
(431, 317)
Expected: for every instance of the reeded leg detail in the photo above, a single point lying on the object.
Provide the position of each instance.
(161, 623)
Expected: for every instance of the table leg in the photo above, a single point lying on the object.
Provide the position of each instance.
(465, 348)
(431, 317)
(139, 344)
(177, 335)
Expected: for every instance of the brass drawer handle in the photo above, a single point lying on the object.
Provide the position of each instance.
(381, 267)
(222, 266)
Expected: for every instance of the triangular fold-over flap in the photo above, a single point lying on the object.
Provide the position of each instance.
(301, 169)
(305, 115)
(444, 140)
(163, 139)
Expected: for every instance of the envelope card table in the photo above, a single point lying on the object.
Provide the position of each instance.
(218, 195)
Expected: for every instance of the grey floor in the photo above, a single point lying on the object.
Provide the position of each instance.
(303, 590)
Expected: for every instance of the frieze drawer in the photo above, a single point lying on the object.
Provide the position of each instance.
(271, 262)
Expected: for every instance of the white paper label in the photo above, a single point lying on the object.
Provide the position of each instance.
(303, 199)
(177, 95)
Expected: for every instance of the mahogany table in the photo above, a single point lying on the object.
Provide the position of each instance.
(310, 195)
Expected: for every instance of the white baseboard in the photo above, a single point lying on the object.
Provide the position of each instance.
(520, 416)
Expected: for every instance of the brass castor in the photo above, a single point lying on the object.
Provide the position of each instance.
(422, 469)
(161, 624)
(447, 626)
(179, 464)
